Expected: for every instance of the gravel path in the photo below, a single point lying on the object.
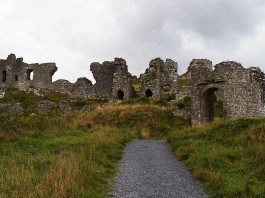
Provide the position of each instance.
(150, 169)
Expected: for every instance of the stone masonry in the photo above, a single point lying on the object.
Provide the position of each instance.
(22, 75)
(160, 79)
(242, 90)
(113, 82)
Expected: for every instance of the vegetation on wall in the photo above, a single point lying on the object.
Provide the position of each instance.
(184, 102)
(218, 108)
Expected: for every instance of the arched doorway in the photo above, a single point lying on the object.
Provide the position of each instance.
(120, 95)
(209, 99)
(148, 93)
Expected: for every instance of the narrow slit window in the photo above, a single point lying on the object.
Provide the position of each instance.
(30, 74)
(4, 76)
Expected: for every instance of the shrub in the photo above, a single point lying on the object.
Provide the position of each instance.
(184, 102)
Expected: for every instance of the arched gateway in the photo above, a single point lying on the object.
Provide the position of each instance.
(242, 90)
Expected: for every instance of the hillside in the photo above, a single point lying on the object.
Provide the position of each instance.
(76, 153)
(228, 157)
(73, 154)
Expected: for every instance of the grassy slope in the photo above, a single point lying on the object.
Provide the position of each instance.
(78, 164)
(228, 157)
(50, 155)
(73, 155)
(147, 120)
(29, 100)
(76, 155)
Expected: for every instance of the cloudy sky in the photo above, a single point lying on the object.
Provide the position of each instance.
(75, 33)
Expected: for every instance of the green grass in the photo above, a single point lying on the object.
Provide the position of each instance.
(151, 120)
(56, 158)
(76, 155)
(51, 155)
(72, 155)
(29, 100)
(228, 157)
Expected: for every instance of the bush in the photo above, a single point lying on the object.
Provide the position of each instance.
(184, 102)
(187, 101)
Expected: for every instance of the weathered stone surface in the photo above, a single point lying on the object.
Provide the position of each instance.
(160, 79)
(62, 86)
(113, 81)
(22, 75)
(66, 106)
(122, 81)
(34, 91)
(242, 90)
(183, 113)
(12, 108)
(45, 106)
(89, 108)
(2, 94)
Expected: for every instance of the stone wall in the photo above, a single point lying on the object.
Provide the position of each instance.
(160, 79)
(113, 81)
(82, 88)
(22, 75)
(110, 76)
(242, 90)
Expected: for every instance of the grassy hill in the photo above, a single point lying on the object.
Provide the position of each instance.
(74, 154)
(77, 154)
(228, 157)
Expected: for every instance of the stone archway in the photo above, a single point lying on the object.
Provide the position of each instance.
(120, 95)
(148, 93)
(204, 97)
(208, 99)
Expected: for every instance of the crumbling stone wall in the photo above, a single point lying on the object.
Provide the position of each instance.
(81, 88)
(122, 88)
(184, 80)
(113, 81)
(242, 90)
(160, 79)
(111, 77)
(22, 75)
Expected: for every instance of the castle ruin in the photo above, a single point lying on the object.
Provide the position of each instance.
(242, 90)
(22, 75)
(160, 79)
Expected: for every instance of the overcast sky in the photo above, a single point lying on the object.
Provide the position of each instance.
(75, 33)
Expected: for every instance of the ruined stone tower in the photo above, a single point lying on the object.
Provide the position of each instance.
(22, 75)
(160, 79)
(113, 81)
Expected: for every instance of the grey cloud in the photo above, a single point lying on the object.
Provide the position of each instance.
(76, 33)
